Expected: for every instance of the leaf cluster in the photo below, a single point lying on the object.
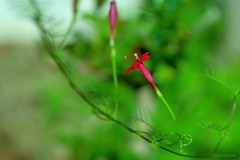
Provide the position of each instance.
(146, 116)
(208, 124)
(230, 83)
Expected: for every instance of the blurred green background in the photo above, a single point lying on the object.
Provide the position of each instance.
(41, 118)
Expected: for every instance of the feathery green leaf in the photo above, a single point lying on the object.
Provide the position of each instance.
(224, 80)
(69, 63)
(145, 115)
(208, 124)
(103, 94)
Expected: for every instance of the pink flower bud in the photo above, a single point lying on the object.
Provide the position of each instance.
(112, 19)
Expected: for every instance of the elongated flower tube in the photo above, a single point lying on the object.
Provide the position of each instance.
(139, 64)
(112, 20)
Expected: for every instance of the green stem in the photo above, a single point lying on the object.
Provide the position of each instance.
(115, 80)
(165, 102)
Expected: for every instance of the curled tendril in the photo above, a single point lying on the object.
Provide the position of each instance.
(180, 139)
(187, 137)
(168, 134)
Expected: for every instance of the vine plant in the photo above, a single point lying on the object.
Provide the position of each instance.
(145, 115)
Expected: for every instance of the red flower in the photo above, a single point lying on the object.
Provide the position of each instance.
(139, 64)
(139, 61)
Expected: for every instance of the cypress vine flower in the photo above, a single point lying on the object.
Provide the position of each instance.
(112, 20)
(139, 64)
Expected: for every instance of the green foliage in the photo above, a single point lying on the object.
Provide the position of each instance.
(223, 79)
(102, 95)
(145, 115)
(70, 64)
(155, 143)
(208, 124)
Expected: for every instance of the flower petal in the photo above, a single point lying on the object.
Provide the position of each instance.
(136, 64)
(145, 56)
(128, 70)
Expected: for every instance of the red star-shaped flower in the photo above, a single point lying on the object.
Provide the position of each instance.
(139, 64)
(139, 61)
